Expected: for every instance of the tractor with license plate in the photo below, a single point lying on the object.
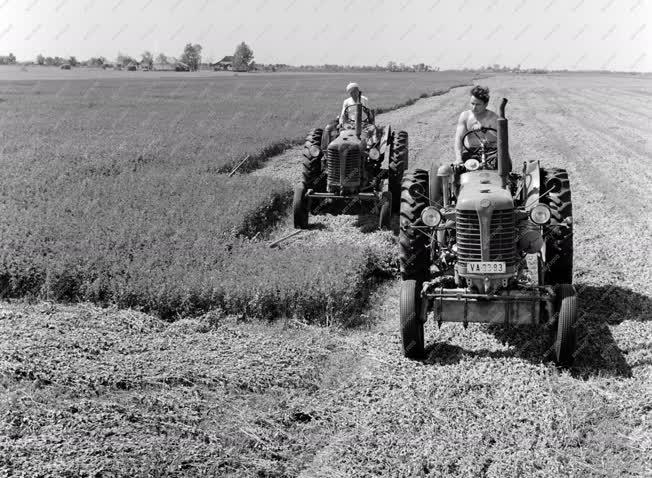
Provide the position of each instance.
(357, 161)
(467, 234)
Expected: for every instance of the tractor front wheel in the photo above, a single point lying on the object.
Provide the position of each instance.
(300, 207)
(411, 324)
(566, 337)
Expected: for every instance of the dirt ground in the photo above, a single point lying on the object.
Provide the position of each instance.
(291, 399)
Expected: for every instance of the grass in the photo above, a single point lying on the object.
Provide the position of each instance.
(206, 122)
(118, 393)
(113, 191)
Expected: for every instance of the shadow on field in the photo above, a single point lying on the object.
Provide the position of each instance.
(597, 352)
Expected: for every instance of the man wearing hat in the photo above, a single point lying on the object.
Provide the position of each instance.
(354, 93)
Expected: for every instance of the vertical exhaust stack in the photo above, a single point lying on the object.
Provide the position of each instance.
(504, 161)
(358, 115)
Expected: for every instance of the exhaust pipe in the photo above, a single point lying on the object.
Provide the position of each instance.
(504, 161)
(358, 115)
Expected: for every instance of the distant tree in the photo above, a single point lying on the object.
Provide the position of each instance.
(124, 60)
(97, 61)
(147, 59)
(242, 57)
(40, 59)
(8, 60)
(73, 61)
(162, 58)
(192, 56)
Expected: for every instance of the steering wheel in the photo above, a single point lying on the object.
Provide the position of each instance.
(490, 147)
(367, 115)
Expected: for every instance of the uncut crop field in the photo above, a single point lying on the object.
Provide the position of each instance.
(113, 188)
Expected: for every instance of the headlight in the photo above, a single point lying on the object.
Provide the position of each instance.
(540, 214)
(374, 154)
(431, 216)
(471, 164)
(315, 150)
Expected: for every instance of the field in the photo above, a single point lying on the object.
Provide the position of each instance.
(114, 190)
(90, 391)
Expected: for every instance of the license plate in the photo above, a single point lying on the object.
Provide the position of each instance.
(486, 267)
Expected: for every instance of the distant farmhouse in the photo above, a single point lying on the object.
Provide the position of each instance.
(164, 66)
(225, 63)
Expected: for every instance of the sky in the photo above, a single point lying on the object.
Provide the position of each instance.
(553, 34)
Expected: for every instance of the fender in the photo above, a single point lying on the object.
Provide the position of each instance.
(532, 184)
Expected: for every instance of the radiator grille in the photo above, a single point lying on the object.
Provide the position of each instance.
(502, 232)
(351, 175)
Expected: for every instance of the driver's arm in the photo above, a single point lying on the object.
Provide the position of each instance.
(459, 134)
(342, 113)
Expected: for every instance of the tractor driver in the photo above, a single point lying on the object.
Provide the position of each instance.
(475, 118)
(348, 115)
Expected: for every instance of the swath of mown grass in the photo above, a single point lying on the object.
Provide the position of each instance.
(133, 239)
(175, 244)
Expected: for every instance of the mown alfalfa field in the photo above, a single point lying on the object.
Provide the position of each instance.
(114, 188)
(91, 391)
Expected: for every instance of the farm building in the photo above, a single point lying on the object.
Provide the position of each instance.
(181, 66)
(225, 63)
(163, 67)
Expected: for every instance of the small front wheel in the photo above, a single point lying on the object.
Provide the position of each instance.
(385, 217)
(411, 324)
(566, 337)
(300, 207)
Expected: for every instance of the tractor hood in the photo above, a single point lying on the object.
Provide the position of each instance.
(476, 186)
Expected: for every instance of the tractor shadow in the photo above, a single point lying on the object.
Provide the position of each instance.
(597, 351)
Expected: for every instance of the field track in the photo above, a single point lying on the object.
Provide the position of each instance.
(292, 399)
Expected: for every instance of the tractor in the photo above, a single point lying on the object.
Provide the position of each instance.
(467, 234)
(357, 161)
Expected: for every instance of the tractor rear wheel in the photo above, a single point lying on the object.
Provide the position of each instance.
(312, 174)
(300, 207)
(398, 164)
(385, 216)
(558, 234)
(413, 242)
(565, 339)
(411, 324)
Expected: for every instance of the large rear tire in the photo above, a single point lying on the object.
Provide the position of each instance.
(398, 164)
(312, 174)
(413, 243)
(565, 340)
(300, 207)
(558, 234)
(411, 325)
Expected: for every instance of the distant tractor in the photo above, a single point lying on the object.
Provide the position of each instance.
(359, 161)
(465, 234)
(65, 66)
